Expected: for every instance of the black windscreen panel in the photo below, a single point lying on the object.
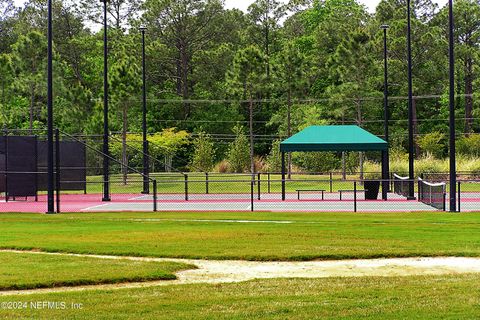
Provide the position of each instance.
(73, 173)
(3, 165)
(42, 165)
(21, 165)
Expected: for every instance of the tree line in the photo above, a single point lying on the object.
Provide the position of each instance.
(215, 72)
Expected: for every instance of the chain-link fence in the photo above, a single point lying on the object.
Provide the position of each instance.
(81, 186)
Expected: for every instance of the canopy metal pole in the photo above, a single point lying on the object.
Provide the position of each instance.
(385, 183)
(283, 176)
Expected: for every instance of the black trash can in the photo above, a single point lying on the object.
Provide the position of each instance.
(371, 189)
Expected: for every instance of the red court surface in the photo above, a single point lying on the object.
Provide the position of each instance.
(69, 203)
(227, 202)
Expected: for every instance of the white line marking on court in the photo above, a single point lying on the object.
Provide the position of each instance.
(141, 198)
(95, 207)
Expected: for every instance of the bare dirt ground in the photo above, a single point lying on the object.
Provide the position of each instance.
(227, 271)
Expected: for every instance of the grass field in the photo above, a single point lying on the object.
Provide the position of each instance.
(257, 236)
(301, 236)
(28, 271)
(434, 297)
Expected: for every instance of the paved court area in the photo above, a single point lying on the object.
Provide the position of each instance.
(309, 202)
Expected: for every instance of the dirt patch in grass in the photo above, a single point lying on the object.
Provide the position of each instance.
(228, 271)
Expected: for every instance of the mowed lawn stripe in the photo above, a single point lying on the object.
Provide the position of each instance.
(19, 271)
(320, 236)
(419, 297)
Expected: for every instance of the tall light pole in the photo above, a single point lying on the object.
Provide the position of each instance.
(146, 185)
(453, 173)
(386, 156)
(106, 153)
(50, 182)
(411, 168)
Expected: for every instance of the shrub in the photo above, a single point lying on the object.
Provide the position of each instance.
(432, 144)
(469, 146)
(203, 153)
(317, 161)
(274, 158)
(259, 164)
(373, 170)
(351, 162)
(238, 154)
(222, 167)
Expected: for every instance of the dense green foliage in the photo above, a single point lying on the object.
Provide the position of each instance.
(274, 69)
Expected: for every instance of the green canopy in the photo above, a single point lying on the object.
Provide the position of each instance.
(333, 138)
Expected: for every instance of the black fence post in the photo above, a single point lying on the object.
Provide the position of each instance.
(50, 202)
(459, 196)
(154, 195)
(268, 181)
(85, 158)
(6, 168)
(444, 201)
(57, 167)
(251, 194)
(331, 182)
(283, 176)
(186, 187)
(259, 189)
(391, 182)
(420, 191)
(355, 196)
(206, 183)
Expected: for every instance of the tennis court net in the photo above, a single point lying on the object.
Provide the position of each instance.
(432, 194)
(400, 185)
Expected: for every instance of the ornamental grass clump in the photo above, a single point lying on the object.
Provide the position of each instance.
(429, 164)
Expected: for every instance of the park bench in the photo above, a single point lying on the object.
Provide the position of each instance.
(310, 190)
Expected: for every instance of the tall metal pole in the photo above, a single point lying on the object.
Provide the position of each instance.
(386, 155)
(50, 178)
(106, 153)
(411, 169)
(146, 185)
(453, 173)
